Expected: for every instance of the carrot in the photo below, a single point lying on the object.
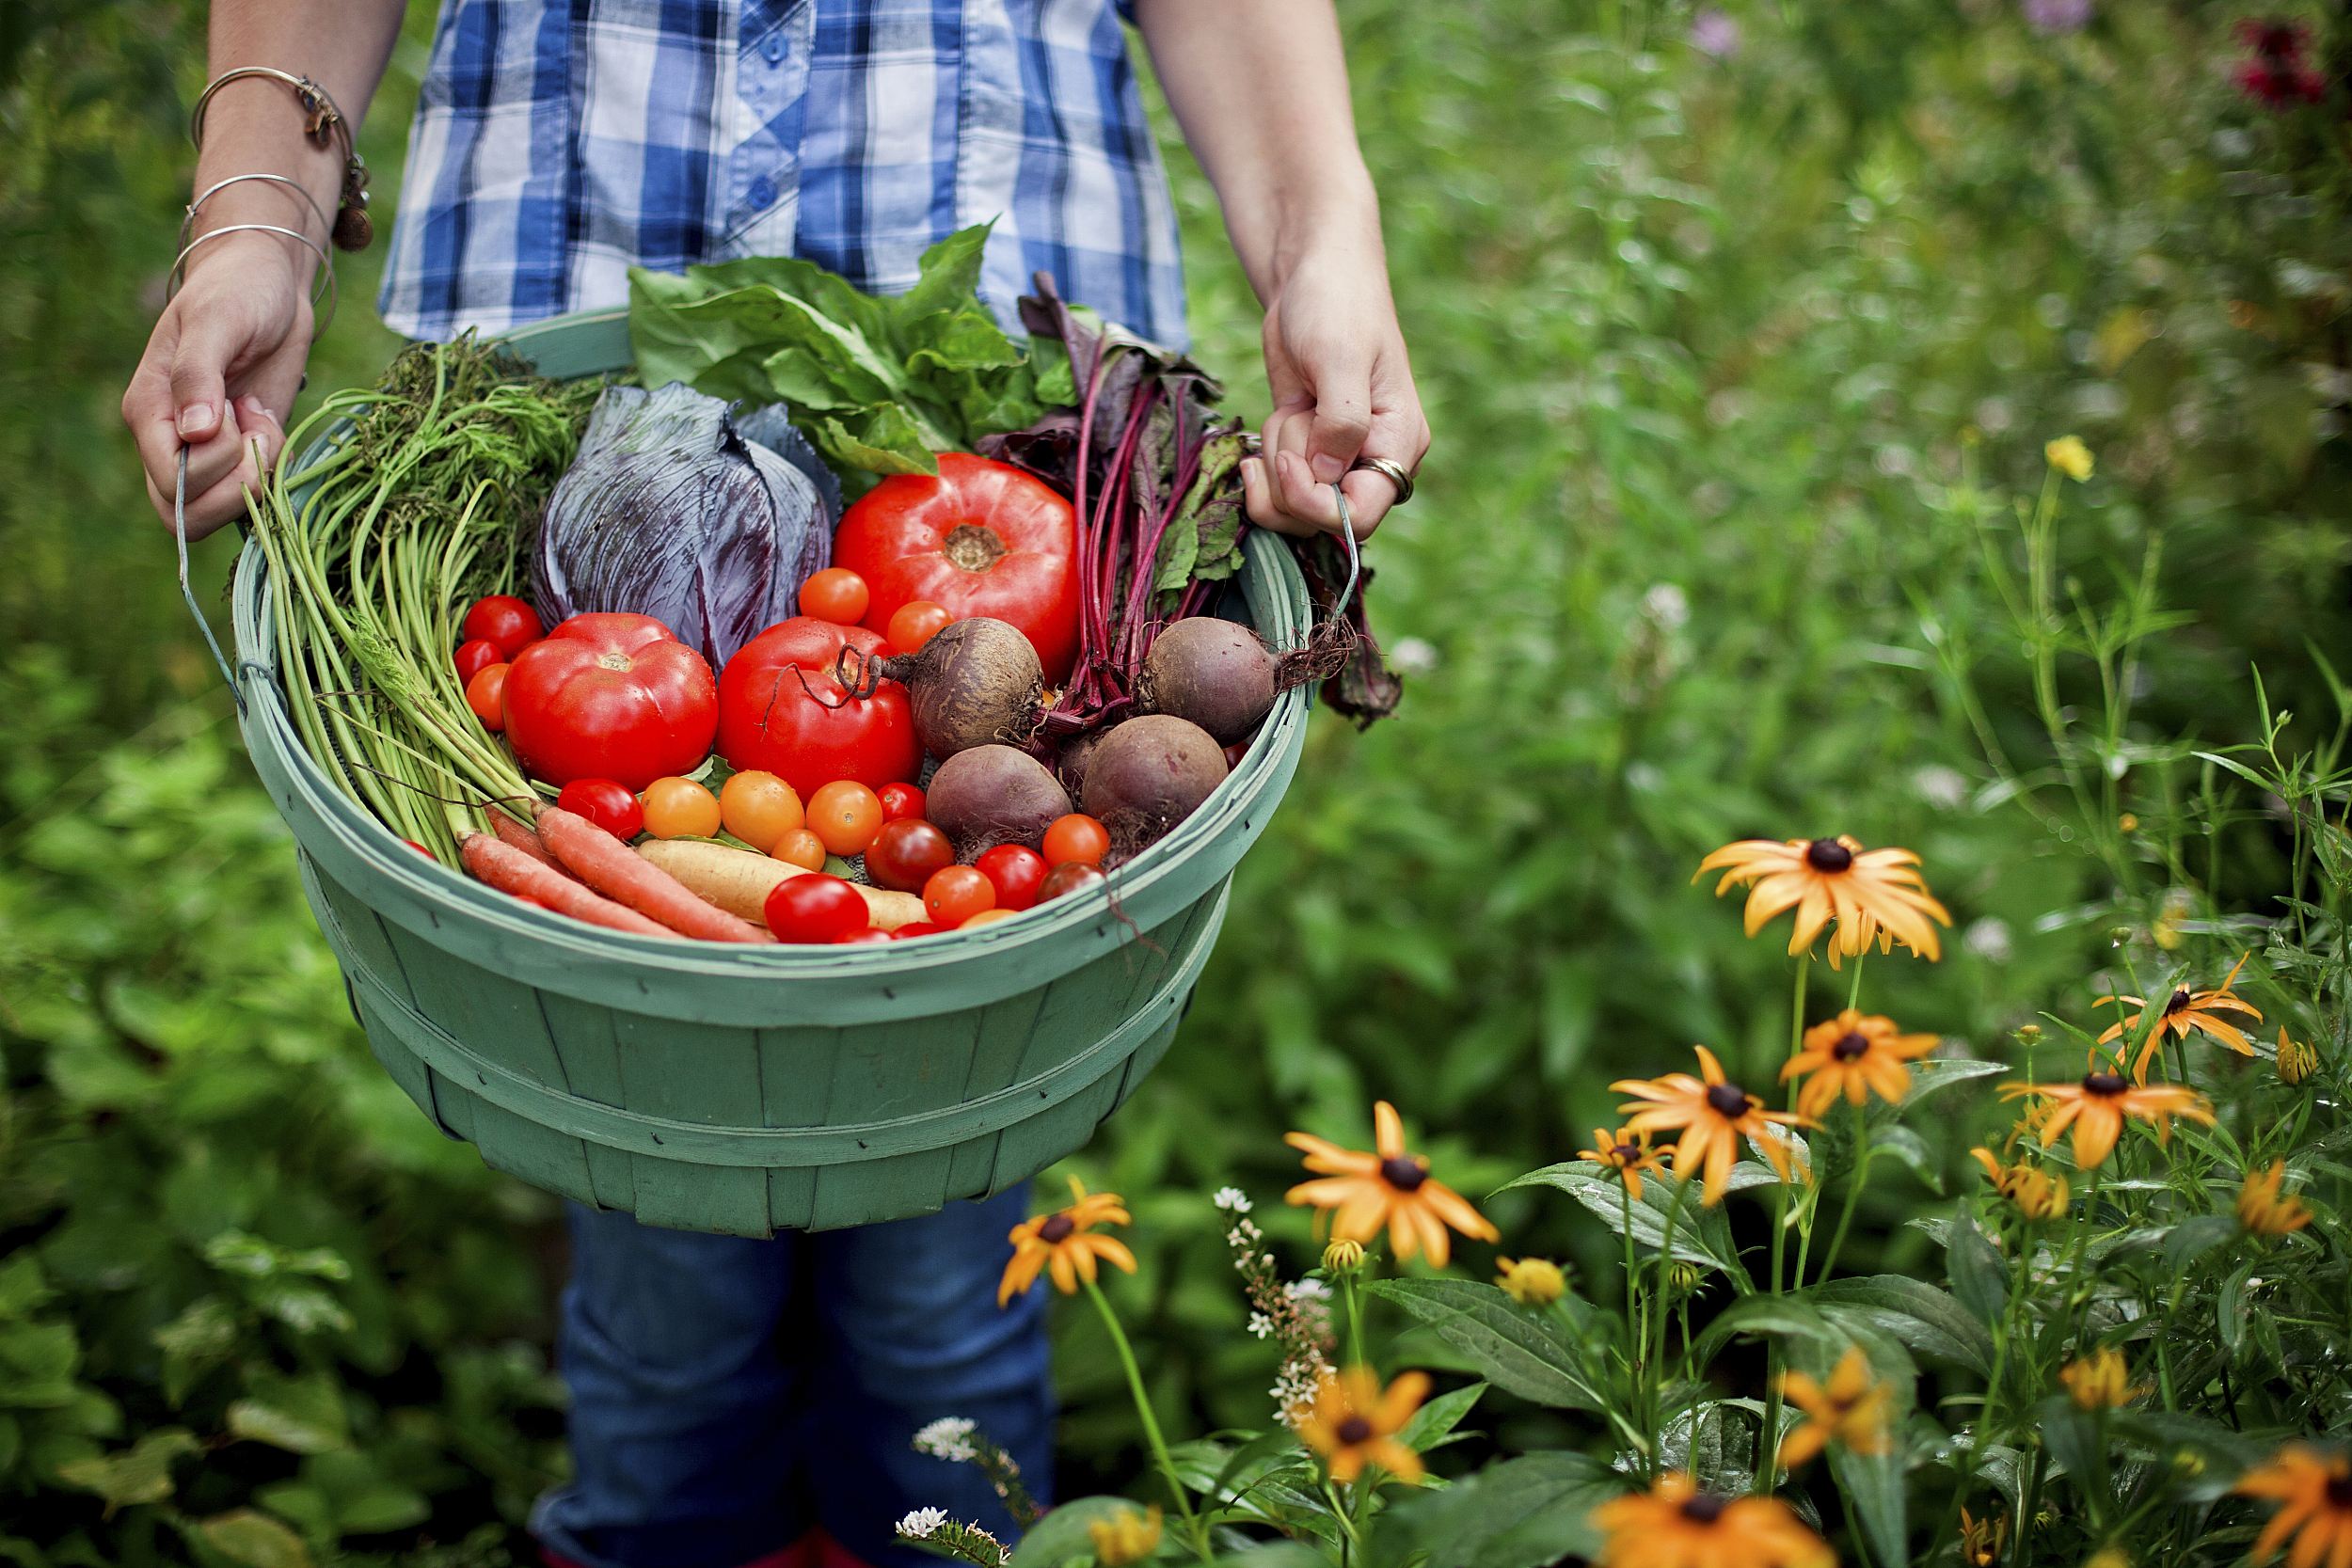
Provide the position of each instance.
(614, 869)
(516, 836)
(739, 880)
(511, 870)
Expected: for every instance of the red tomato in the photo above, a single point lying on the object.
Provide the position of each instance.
(904, 854)
(506, 620)
(900, 801)
(957, 893)
(913, 624)
(978, 538)
(1068, 878)
(486, 695)
(860, 938)
(837, 594)
(609, 805)
(781, 709)
(1015, 870)
(815, 909)
(1077, 839)
(915, 928)
(475, 656)
(422, 851)
(610, 696)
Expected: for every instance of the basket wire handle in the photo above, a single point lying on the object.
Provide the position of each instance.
(179, 540)
(1355, 551)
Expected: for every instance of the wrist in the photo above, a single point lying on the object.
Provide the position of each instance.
(252, 257)
(1336, 216)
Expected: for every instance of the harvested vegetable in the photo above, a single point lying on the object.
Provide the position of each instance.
(900, 801)
(1070, 877)
(621, 874)
(782, 710)
(1149, 774)
(957, 893)
(904, 854)
(738, 882)
(993, 795)
(510, 870)
(1216, 674)
(815, 909)
(606, 802)
(504, 621)
(669, 511)
(610, 696)
(977, 683)
(517, 836)
(1016, 871)
(845, 815)
(680, 808)
(837, 594)
(802, 849)
(1076, 838)
(759, 808)
(913, 624)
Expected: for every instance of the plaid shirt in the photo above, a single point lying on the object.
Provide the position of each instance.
(557, 142)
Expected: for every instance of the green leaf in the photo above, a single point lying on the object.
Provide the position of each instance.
(1513, 1349)
(1913, 1313)
(301, 1415)
(1700, 1235)
(948, 279)
(253, 1539)
(1786, 1315)
(138, 1474)
(1979, 1279)
(22, 1287)
(1433, 1420)
(36, 1365)
(1521, 1513)
(2194, 1237)
(1062, 1535)
(1912, 1150)
(1932, 1075)
(200, 1338)
(2071, 1437)
(884, 441)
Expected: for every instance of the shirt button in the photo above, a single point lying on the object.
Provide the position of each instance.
(763, 192)
(774, 48)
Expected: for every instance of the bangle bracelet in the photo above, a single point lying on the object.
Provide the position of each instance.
(325, 226)
(327, 264)
(324, 125)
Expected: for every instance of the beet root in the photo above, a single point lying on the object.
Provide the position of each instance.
(1149, 774)
(976, 682)
(1214, 673)
(985, 796)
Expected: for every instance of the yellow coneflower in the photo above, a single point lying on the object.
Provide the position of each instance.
(1354, 1423)
(1981, 1540)
(2068, 456)
(1126, 1538)
(1855, 1054)
(1851, 1408)
(1343, 1255)
(1872, 894)
(2096, 1107)
(1386, 1189)
(2298, 1061)
(2100, 1381)
(2262, 1210)
(2186, 1011)
(1530, 1281)
(2315, 1490)
(2038, 1194)
(1624, 1151)
(1065, 1242)
(1713, 1115)
(1675, 1525)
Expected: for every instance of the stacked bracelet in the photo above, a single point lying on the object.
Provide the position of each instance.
(325, 126)
(325, 285)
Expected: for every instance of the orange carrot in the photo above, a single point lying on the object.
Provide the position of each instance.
(617, 871)
(516, 836)
(511, 870)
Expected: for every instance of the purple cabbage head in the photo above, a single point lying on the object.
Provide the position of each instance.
(675, 508)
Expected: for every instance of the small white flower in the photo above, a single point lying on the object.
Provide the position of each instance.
(1942, 787)
(1309, 1290)
(949, 1438)
(1988, 938)
(1667, 605)
(1413, 656)
(1232, 1200)
(1260, 1326)
(922, 1522)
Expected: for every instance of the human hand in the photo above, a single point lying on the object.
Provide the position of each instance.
(219, 376)
(1342, 387)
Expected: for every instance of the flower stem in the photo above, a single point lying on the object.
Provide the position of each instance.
(1862, 1151)
(1150, 1422)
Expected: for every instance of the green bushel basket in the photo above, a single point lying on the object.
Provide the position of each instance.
(752, 1090)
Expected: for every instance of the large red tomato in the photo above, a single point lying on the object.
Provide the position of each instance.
(982, 538)
(610, 696)
(780, 708)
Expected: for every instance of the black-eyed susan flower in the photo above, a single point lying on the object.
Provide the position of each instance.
(1856, 1055)
(2034, 1193)
(1714, 1115)
(2314, 1489)
(2096, 1108)
(2298, 1061)
(1849, 1408)
(2186, 1011)
(1355, 1422)
(1530, 1281)
(2263, 1210)
(1065, 1243)
(1388, 1188)
(2068, 456)
(1872, 894)
(1981, 1540)
(1675, 1525)
(1343, 1255)
(1126, 1537)
(2100, 1381)
(1624, 1151)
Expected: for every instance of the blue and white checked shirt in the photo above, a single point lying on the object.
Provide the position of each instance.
(557, 142)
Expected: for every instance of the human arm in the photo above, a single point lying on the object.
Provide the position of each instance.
(226, 358)
(1260, 91)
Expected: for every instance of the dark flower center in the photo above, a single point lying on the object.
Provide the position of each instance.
(1403, 1172)
(1353, 1431)
(1827, 854)
(1057, 1228)
(1704, 1508)
(1729, 1100)
(2178, 1000)
(1626, 1153)
(1850, 1045)
(2105, 1084)
(2339, 1490)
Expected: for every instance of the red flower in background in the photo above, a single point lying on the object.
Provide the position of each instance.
(2280, 73)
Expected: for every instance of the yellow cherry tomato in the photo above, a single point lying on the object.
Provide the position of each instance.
(680, 808)
(759, 808)
(846, 816)
(802, 849)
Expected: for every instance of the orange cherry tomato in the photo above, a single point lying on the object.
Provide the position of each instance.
(1076, 838)
(986, 917)
(901, 802)
(837, 594)
(758, 808)
(846, 816)
(913, 624)
(957, 893)
(486, 695)
(802, 849)
(680, 808)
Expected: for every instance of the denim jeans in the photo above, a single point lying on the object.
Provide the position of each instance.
(730, 1395)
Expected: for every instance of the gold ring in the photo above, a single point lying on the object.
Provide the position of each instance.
(1396, 473)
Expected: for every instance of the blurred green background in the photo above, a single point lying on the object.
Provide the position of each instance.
(1708, 308)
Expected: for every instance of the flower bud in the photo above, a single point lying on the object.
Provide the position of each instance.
(1343, 1255)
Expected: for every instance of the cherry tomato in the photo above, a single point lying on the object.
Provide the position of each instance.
(913, 928)
(861, 939)
(759, 808)
(904, 854)
(610, 696)
(506, 620)
(957, 893)
(486, 695)
(837, 594)
(475, 656)
(802, 849)
(1234, 754)
(815, 908)
(846, 816)
(680, 808)
(781, 709)
(422, 850)
(1015, 870)
(1076, 839)
(901, 801)
(605, 803)
(913, 624)
(986, 917)
(1069, 878)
